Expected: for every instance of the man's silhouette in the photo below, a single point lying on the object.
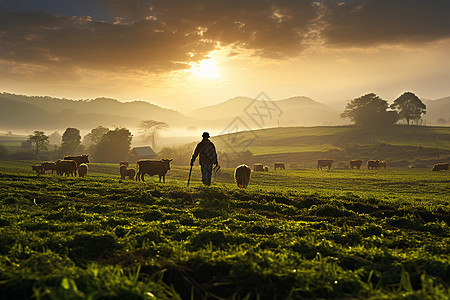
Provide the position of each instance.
(207, 157)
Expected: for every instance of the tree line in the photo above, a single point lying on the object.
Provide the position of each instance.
(372, 111)
(102, 143)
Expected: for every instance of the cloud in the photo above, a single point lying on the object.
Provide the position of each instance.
(366, 23)
(153, 36)
(160, 36)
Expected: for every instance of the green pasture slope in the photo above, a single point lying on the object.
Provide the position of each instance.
(292, 234)
(302, 146)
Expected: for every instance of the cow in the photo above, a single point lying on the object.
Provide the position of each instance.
(279, 165)
(123, 163)
(79, 159)
(242, 175)
(372, 164)
(66, 167)
(152, 167)
(266, 168)
(440, 167)
(38, 169)
(258, 168)
(48, 166)
(382, 164)
(82, 170)
(356, 163)
(324, 163)
(124, 172)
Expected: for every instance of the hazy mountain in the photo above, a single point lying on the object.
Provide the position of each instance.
(103, 111)
(21, 115)
(436, 109)
(259, 113)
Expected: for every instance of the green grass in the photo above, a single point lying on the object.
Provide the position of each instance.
(301, 139)
(293, 234)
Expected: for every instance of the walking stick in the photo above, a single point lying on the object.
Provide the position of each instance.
(189, 178)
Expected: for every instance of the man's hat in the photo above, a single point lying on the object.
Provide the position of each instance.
(205, 134)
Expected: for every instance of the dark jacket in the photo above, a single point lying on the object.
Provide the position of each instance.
(206, 151)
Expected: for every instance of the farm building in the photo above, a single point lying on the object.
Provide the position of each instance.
(145, 152)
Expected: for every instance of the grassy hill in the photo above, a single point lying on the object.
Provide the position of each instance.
(304, 145)
(293, 234)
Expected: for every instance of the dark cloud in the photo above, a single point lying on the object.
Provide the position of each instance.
(153, 35)
(161, 35)
(374, 22)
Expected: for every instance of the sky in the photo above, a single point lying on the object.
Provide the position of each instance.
(187, 54)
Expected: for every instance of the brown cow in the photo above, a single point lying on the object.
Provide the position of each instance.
(82, 170)
(79, 159)
(372, 164)
(258, 168)
(242, 175)
(66, 167)
(48, 166)
(382, 164)
(356, 163)
(440, 167)
(279, 165)
(324, 163)
(124, 172)
(38, 169)
(153, 167)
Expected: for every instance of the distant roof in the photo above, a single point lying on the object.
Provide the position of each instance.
(145, 151)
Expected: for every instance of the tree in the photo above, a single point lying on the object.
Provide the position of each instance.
(114, 146)
(441, 121)
(39, 140)
(71, 141)
(150, 130)
(409, 107)
(95, 135)
(55, 138)
(369, 111)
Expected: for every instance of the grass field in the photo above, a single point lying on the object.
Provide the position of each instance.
(293, 234)
(301, 139)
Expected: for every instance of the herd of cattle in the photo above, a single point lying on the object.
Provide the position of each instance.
(70, 165)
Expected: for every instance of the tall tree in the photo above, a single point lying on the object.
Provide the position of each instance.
(114, 146)
(95, 135)
(409, 107)
(39, 140)
(71, 141)
(369, 111)
(150, 129)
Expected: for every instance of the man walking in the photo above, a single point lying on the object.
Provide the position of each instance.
(207, 157)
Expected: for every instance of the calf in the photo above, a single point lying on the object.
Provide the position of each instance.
(66, 167)
(79, 159)
(124, 172)
(440, 167)
(356, 163)
(321, 163)
(242, 175)
(123, 163)
(258, 168)
(48, 166)
(382, 164)
(278, 165)
(82, 170)
(38, 169)
(372, 164)
(153, 167)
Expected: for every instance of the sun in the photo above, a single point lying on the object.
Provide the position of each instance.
(206, 69)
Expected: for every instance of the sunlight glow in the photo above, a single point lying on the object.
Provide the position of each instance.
(206, 69)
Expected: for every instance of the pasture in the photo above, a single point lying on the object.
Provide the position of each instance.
(292, 234)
